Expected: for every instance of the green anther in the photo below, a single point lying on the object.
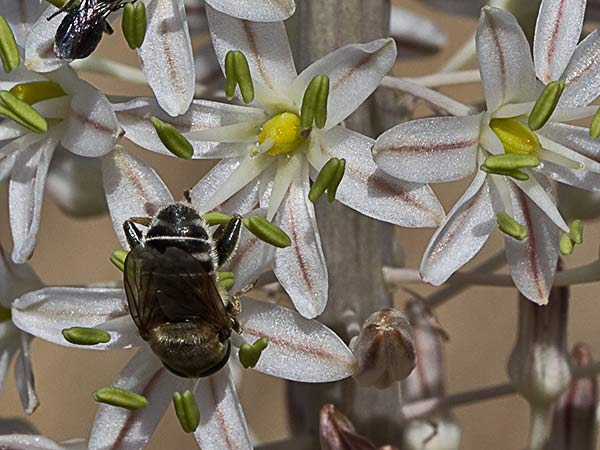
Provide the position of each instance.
(187, 411)
(314, 103)
(9, 52)
(515, 173)
(566, 244)
(576, 231)
(121, 398)
(250, 354)
(267, 232)
(118, 259)
(545, 104)
(595, 126)
(333, 186)
(134, 24)
(515, 136)
(226, 280)
(172, 139)
(324, 179)
(510, 226)
(511, 161)
(5, 314)
(85, 336)
(237, 73)
(22, 113)
(216, 218)
(37, 91)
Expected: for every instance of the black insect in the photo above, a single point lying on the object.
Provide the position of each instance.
(81, 29)
(172, 291)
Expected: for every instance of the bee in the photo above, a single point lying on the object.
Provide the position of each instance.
(81, 29)
(172, 289)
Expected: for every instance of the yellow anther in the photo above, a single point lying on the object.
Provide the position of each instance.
(284, 131)
(37, 91)
(516, 137)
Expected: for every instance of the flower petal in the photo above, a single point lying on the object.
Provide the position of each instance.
(24, 377)
(223, 425)
(39, 47)
(20, 15)
(371, 191)
(557, 32)
(543, 199)
(75, 184)
(46, 312)
(28, 442)
(9, 344)
(242, 175)
(354, 71)
(463, 233)
(166, 56)
(10, 130)
(415, 34)
(533, 260)
(573, 137)
(265, 46)
(15, 280)
(504, 59)
(569, 153)
(583, 179)
(133, 189)
(287, 168)
(92, 127)
(430, 150)
(252, 258)
(26, 192)
(134, 117)
(582, 75)
(299, 349)
(122, 429)
(301, 268)
(256, 10)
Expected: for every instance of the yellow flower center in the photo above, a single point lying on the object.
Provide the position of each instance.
(516, 137)
(284, 132)
(37, 91)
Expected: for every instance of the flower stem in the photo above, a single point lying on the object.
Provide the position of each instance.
(588, 273)
(432, 97)
(105, 66)
(447, 79)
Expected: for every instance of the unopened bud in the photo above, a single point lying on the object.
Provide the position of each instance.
(226, 280)
(511, 227)
(22, 113)
(237, 72)
(216, 218)
(510, 161)
(539, 364)
(250, 354)
(134, 24)
(574, 421)
(187, 411)
(314, 103)
(172, 139)
(9, 52)
(121, 398)
(513, 173)
(118, 259)
(595, 127)
(336, 432)
(85, 336)
(545, 104)
(267, 232)
(384, 349)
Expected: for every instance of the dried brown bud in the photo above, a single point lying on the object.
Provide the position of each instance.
(574, 421)
(337, 432)
(384, 349)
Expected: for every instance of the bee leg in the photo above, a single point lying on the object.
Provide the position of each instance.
(144, 221)
(132, 233)
(187, 195)
(233, 305)
(236, 325)
(227, 242)
(107, 28)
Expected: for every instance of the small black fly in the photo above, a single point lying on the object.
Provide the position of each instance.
(81, 29)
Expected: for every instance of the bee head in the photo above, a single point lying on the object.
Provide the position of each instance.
(189, 349)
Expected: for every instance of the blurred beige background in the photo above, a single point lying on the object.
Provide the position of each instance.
(481, 322)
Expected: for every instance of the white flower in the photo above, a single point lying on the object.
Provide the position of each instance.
(299, 349)
(15, 280)
(442, 149)
(80, 119)
(37, 442)
(277, 177)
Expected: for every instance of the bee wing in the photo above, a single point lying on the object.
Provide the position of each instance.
(171, 287)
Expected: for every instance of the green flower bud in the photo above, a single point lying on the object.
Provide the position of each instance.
(187, 411)
(314, 103)
(595, 126)
(566, 244)
(121, 398)
(85, 336)
(9, 52)
(333, 186)
(509, 226)
(22, 113)
(226, 280)
(216, 218)
(134, 24)
(237, 72)
(511, 161)
(324, 179)
(172, 139)
(515, 173)
(37, 91)
(118, 259)
(250, 354)
(576, 231)
(545, 104)
(267, 232)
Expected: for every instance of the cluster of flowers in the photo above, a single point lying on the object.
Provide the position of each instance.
(289, 131)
